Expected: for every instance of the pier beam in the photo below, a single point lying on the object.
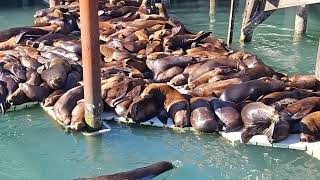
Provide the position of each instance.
(317, 70)
(233, 8)
(91, 63)
(53, 3)
(301, 20)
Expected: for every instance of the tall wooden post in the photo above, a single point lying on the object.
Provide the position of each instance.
(248, 13)
(301, 20)
(317, 70)
(91, 62)
(53, 3)
(212, 10)
(233, 8)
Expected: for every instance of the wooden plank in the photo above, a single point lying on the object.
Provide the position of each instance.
(279, 4)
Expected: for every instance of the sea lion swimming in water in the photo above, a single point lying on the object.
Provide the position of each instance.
(310, 127)
(148, 172)
(202, 117)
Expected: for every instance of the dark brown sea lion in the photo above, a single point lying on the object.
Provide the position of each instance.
(303, 107)
(168, 74)
(214, 63)
(148, 172)
(9, 33)
(185, 41)
(202, 117)
(259, 118)
(214, 88)
(310, 127)
(35, 93)
(3, 96)
(18, 97)
(29, 62)
(66, 103)
(11, 81)
(136, 46)
(77, 116)
(53, 97)
(122, 107)
(251, 90)
(33, 78)
(55, 76)
(72, 80)
(304, 82)
(182, 79)
(228, 113)
(19, 72)
(144, 108)
(173, 102)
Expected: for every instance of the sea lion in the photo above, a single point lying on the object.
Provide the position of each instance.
(228, 113)
(122, 106)
(77, 116)
(202, 117)
(29, 62)
(184, 41)
(3, 96)
(55, 76)
(168, 74)
(148, 172)
(304, 82)
(9, 33)
(72, 46)
(182, 79)
(53, 97)
(18, 97)
(66, 103)
(144, 108)
(35, 93)
(72, 80)
(303, 107)
(251, 90)
(173, 102)
(33, 78)
(310, 127)
(259, 118)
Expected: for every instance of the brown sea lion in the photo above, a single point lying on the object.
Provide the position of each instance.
(259, 118)
(77, 116)
(304, 82)
(55, 76)
(173, 102)
(72, 46)
(185, 41)
(228, 113)
(154, 46)
(18, 97)
(35, 93)
(251, 90)
(202, 117)
(33, 78)
(9, 33)
(168, 74)
(303, 107)
(29, 62)
(310, 127)
(214, 88)
(66, 103)
(122, 106)
(53, 97)
(182, 79)
(148, 172)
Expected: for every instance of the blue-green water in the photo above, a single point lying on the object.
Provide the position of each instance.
(33, 147)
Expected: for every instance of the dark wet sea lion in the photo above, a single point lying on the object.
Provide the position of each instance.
(122, 107)
(202, 117)
(310, 127)
(66, 103)
(148, 172)
(144, 108)
(55, 76)
(183, 41)
(251, 90)
(3, 96)
(214, 88)
(33, 78)
(174, 103)
(8, 33)
(77, 116)
(35, 93)
(228, 113)
(259, 118)
(72, 80)
(53, 97)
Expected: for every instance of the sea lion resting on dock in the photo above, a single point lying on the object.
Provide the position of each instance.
(147, 172)
(310, 127)
(165, 96)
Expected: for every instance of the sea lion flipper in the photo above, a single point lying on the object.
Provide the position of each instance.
(305, 110)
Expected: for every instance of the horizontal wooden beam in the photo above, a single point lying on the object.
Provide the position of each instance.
(278, 4)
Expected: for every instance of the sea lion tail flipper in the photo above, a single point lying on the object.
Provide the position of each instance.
(19, 37)
(201, 36)
(246, 135)
(305, 110)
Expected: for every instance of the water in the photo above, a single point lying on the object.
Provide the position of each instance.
(33, 147)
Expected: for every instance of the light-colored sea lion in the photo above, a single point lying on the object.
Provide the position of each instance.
(148, 172)
(202, 117)
(228, 113)
(77, 116)
(310, 127)
(66, 103)
(251, 90)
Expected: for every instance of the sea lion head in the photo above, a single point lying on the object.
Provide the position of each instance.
(143, 108)
(278, 131)
(180, 114)
(274, 83)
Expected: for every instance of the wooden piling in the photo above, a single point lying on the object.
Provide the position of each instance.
(248, 13)
(212, 10)
(301, 20)
(233, 8)
(91, 62)
(317, 70)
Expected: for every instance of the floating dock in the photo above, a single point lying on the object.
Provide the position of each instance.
(292, 142)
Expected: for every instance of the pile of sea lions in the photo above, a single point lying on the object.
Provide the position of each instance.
(151, 65)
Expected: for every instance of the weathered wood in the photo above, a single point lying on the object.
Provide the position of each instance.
(212, 8)
(317, 70)
(300, 26)
(233, 7)
(278, 4)
(252, 17)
